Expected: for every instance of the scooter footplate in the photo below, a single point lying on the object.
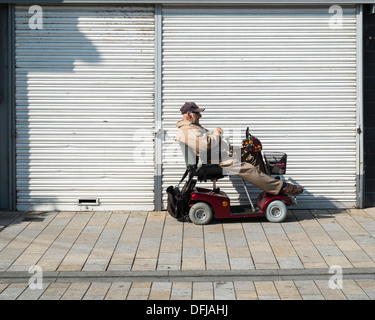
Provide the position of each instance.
(243, 210)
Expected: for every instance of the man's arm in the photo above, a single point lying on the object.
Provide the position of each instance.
(199, 140)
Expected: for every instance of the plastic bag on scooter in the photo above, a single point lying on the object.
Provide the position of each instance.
(276, 162)
(175, 204)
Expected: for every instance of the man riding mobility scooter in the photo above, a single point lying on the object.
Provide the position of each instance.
(201, 205)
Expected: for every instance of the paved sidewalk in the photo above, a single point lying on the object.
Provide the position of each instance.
(150, 255)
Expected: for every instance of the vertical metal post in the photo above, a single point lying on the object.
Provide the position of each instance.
(7, 109)
(158, 109)
(4, 110)
(248, 196)
(12, 107)
(359, 121)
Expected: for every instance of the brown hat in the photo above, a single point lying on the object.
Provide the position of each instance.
(190, 107)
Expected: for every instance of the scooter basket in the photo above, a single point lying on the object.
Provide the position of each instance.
(276, 162)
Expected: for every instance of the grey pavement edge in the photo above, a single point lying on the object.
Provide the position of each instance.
(191, 275)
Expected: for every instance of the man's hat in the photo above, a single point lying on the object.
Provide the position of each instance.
(190, 107)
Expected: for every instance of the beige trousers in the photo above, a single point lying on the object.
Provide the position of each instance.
(252, 174)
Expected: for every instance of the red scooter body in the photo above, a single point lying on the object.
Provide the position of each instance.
(220, 203)
(265, 198)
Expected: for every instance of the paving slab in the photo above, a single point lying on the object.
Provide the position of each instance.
(104, 255)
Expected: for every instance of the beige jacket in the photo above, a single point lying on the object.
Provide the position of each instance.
(204, 142)
(197, 137)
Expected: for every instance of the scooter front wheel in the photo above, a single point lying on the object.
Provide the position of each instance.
(276, 211)
(200, 213)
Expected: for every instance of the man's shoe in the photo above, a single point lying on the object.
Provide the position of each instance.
(291, 190)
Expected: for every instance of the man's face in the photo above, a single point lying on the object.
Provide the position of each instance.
(194, 117)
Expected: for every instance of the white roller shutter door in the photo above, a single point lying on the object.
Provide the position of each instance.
(286, 72)
(85, 108)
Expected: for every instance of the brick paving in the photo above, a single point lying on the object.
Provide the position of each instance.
(229, 290)
(154, 241)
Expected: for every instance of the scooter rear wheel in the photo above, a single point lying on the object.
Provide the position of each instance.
(200, 213)
(276, 211)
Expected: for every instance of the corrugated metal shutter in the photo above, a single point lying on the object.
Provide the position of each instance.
(283, 71)
(85, 108)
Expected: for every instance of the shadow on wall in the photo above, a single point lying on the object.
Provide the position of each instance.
(54, 70)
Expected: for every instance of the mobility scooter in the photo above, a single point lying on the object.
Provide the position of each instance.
(201, 205)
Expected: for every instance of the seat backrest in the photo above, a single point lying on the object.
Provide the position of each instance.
(189, 155)
(203, 172)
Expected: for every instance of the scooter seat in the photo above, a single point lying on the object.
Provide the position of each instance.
(209, 172)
